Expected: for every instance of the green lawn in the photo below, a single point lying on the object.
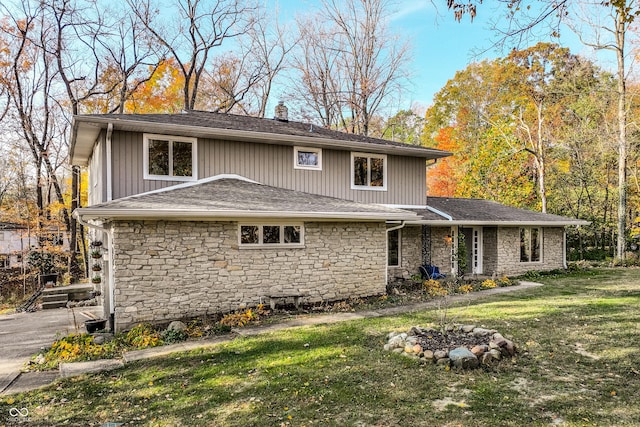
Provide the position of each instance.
(579, 364)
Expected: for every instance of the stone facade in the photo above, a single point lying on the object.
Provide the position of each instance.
(501, 250)
(441, 249)
(165, 270)
(410, 253)
(509, 251)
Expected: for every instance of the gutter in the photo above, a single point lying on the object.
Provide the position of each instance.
(439, 212)
(110, 279)
(500, 223)
(207, 215)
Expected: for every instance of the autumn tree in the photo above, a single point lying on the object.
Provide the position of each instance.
(353, 65)
(610, 33)
(193, 33)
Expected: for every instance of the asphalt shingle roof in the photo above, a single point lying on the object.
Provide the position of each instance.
(486, 211)
(206, 124)
(218, 197)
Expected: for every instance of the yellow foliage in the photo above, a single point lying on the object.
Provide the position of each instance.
(465, 289)
(239, 319)
(434, 288)
(488, 284)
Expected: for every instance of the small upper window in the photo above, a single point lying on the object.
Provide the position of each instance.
(368, 171)
(170, 158)
(307, 158)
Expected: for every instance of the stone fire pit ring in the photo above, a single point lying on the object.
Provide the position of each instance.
(461, 346)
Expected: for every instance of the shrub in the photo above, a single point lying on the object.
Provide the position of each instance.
(170, 336)
(239, 319)
(434, 288)
(143, 336)
(488, 284)
(504, 281)
(77, 347)
(465, 289)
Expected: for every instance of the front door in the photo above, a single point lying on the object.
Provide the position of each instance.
(473, 246)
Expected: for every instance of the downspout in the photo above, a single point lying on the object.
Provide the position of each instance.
(110, 279)
(564, 248)
(386, 267)
(108, 161)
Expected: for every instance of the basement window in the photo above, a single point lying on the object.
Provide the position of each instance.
(270, 235)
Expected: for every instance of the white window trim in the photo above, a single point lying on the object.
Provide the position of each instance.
(399, 264)
(540, 237)
(171, 138)
(369, 156)
(307, 167)
(261, 245)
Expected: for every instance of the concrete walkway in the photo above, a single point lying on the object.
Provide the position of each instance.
(29, 332)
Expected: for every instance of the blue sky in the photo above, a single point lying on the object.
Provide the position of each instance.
(441, 46)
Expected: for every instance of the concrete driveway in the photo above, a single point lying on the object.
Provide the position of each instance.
(24, 334)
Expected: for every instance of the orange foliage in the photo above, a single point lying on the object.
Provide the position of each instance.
(162, 93)
(441, 177)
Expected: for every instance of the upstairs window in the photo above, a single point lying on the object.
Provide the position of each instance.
(170, 158)
(368, 171)
(530, 244)
(307, 158)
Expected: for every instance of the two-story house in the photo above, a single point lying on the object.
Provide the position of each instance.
(203, 213)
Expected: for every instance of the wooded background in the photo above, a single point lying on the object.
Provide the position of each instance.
(539, 128)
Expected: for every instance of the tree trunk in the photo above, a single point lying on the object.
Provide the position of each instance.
(622, 137)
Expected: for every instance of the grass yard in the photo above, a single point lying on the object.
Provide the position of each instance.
(579, 365)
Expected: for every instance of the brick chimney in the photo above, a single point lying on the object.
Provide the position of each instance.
(282, 112)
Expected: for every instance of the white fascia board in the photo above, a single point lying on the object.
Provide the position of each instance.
(446, 223)
(265, 137)
(141, 214)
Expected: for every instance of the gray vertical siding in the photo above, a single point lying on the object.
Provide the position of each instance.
(272, 165)
(97, 173)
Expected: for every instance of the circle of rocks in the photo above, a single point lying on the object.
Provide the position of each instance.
(461, 346)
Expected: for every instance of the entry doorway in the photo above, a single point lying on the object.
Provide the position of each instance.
(473, 246)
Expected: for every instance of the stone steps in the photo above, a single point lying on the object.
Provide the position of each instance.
(58, 297)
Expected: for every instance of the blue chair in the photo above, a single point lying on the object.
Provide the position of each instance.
(430, 272)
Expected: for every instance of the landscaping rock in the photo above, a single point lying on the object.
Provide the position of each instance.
(464, 346)
(396, 342)
(439, 354)
(479, 350)
(482, 332)
(444, 361)
(462, 357)
(496, 354)
(177, 326)
(415, 330)
(467, 328)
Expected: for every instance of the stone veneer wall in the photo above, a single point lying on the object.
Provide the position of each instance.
(166, 270)
(509, 251)
(410, 253)
(490, 250)
(440, 250)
